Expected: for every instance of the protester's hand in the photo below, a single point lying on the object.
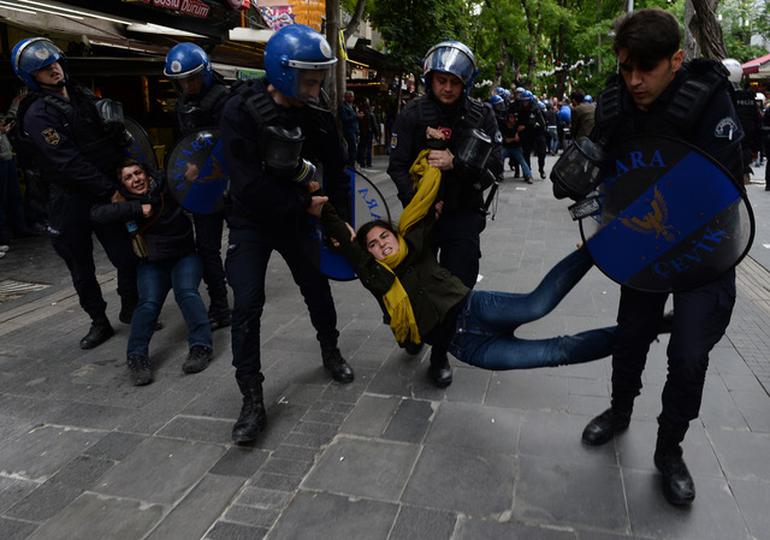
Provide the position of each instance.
(441, 159)
(316, 205)
(313, 186)
(433, 133)
(333, 241)
(191, 172)
(438, 207)
(117, 197)
(146, 210)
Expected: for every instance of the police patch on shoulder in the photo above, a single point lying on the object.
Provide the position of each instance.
(51, 136)
(393, 140)
(726, 128)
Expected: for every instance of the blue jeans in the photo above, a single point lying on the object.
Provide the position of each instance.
(515, 153)
(485, 326)
(154, 280)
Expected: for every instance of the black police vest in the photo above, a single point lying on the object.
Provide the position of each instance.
(702, 79)
(471, 113)
(99, 145)
(748, 113)
(194, 115)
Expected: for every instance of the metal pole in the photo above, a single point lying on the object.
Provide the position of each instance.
(629, 6)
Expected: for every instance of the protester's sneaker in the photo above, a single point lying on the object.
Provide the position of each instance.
(528, 179)
(4, 247)
(140, 368)
(197, 359)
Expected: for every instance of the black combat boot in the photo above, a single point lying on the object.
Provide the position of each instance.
(220, 315)
(678, 486)
(100, 331)
(605, 426)
(439, 371)
(140, 368)
(336, 365)
(252, 419)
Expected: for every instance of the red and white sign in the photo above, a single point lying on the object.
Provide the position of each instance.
(194, 8)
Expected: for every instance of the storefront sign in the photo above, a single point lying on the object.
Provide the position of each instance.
(194, 8)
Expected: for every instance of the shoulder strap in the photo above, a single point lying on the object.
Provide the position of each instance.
(473, 116)
(704, 77)
(259, 105)
(427, 111)
(216, 93)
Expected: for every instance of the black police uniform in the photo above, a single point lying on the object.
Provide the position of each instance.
(701, 315)
(195, 113)
(266, 213)
(533, 135)
(458, 230)
(79, 156)
(750, 115)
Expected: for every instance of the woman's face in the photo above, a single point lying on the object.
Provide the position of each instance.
(381, 243)
(135, 180)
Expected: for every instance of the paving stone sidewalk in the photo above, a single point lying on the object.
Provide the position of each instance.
(83, 454)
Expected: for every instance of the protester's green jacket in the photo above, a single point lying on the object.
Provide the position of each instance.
(432, 290)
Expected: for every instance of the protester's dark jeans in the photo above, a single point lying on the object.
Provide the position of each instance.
(208, 242)
(11, 206)
(701, 316)
(248, 253)
(515, 153)
(155, 279)
(486, 324)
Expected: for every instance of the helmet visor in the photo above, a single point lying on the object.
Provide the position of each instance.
(450, 60)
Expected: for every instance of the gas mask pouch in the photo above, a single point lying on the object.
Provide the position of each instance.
(578, 170)
(474, 149)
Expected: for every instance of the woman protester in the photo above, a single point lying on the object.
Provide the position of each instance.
(162, 237)
(422, 301)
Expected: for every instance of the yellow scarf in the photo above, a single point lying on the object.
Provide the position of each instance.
(427, 179)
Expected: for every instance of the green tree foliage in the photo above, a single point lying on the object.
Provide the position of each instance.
(549, 46)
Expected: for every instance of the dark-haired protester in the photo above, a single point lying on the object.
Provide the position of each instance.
(424, 302)
(582, 115)
(162, 237)
(652, 72)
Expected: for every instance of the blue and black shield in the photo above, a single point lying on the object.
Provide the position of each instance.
(667, 217)
(140, 147)
(196, 172)
(366, 204)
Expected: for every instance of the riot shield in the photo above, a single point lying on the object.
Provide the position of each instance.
(140, 147)
(666, 217)
(366, 204)
(196, 173)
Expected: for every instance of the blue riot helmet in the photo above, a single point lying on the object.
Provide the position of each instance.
(291, 50)
(30, 55)
(454, 58)
(541, 105)
(495, 99)
(185, 60)
(500, 91)
(498, 104)
(588, 99)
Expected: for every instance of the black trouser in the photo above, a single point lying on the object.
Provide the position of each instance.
(701, 317)
(208, 242)
(247, 256)
(75, 246)
(458, 243)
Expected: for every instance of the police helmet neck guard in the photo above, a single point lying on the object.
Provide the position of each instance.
(290, 51)
(186, 60)
(30, 55)
(451, 57)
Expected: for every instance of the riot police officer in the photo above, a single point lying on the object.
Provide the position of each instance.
(274, 131)
(656, 94)
(78, 153)
(749, 114)
(449, 69)
(202, 97)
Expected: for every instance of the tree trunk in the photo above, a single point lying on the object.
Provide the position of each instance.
(691, 49)
(332, 36)
(355, 19)
(706, 30)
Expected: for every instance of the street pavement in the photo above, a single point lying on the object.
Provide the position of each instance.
(83, 454)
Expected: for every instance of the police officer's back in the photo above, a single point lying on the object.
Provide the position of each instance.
(202, 98)
(78, 152)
